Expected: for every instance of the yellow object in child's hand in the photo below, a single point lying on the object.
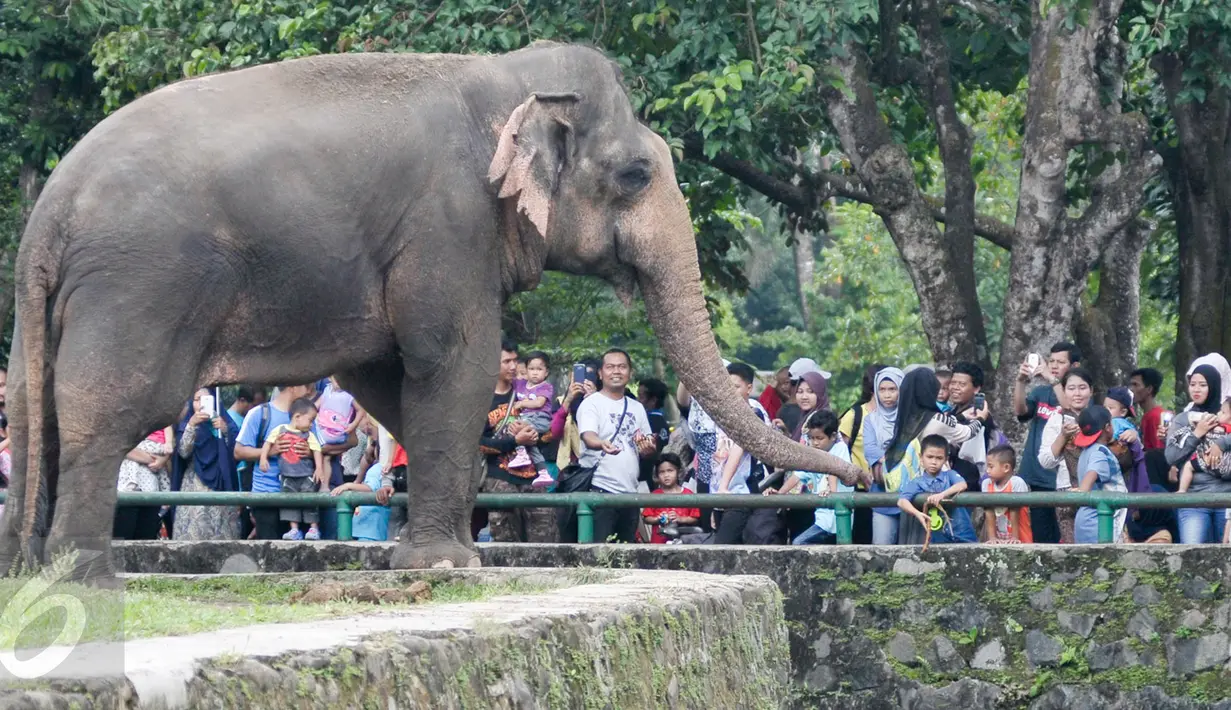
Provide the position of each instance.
(934, 517)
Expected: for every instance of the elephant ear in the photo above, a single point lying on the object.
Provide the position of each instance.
(535, 145)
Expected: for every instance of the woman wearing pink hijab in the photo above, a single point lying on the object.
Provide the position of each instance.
(811, 395)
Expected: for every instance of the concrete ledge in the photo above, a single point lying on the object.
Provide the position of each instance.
(964, 626)
(628, 639)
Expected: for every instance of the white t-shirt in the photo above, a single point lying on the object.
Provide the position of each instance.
(598, 413)
(739, 482)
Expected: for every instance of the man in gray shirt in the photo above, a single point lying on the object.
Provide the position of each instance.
(617, 434)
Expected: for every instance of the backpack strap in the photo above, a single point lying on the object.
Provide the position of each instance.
(857, 425)
(262, 431)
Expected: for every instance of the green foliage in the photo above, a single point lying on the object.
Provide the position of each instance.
(573, 317)
(722, 77)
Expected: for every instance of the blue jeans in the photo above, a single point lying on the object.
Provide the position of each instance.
(885, 528)
(1200, 525)
(815, 536)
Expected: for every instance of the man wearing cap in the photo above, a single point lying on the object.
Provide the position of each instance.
(1097, 470)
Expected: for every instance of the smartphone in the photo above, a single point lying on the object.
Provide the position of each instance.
(979, 401)
(1167, 418)
(1035, 360)
(207, 405)
(579, 372)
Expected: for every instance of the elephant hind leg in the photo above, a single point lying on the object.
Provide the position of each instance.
(113, 387)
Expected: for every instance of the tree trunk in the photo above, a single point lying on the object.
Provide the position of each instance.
(1108, 329)
(952, 319)
(805, 268)
(1053, 252)
(1201, 195)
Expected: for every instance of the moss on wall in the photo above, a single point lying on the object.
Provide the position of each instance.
(688, 656)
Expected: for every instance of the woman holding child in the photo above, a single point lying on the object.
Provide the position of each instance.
(919, 417)
(1200, 431)
(1058, 450)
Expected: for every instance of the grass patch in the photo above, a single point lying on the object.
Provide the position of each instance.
(167, 606)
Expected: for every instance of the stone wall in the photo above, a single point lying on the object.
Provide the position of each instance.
(980, 627)
(966, 626)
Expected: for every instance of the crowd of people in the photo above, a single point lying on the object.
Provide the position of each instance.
(916, 431)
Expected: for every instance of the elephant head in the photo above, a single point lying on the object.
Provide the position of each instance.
(597, 189)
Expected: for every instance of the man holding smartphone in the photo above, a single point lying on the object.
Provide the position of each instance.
(967, 399)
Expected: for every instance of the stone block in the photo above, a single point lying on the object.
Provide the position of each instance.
(1091, 596)
(902, 649)
(916, 568)
(1080, 624)
(965, 615)
(1139, 560)
(1120, 654)
(1197, 588)
(1194, 655)
(1192, 619)
(1222, 616)
(1126, 584)
(1143, 625)
(1042, 650)
(1043, 600)
(1145, 595)
(943, 656)
(989, 657)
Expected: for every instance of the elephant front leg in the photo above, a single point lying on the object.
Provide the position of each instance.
(442, 420)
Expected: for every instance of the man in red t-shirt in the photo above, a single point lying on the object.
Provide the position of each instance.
(1145, 383)
(777, 393)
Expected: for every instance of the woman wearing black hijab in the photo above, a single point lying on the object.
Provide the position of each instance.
(1198, 525)
(920, 416)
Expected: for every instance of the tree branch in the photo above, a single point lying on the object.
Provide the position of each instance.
(988, 12)
(988, 227)
(798, 198)
(821, 185)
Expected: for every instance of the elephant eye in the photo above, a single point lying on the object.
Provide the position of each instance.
(634, 178)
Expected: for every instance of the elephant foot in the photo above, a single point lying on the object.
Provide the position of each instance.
(88, 562)
(12, 561)
(445, 554)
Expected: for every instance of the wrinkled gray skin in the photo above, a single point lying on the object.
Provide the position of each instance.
(360, 214)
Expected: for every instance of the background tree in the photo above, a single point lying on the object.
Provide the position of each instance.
(949, 133)
(48, 100)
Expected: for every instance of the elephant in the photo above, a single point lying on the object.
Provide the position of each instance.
(364, 215)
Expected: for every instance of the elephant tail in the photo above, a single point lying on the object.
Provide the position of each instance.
(33, 282)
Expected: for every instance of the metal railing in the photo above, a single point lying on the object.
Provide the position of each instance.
(843, 504)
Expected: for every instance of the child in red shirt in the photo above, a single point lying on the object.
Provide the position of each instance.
(667, 471)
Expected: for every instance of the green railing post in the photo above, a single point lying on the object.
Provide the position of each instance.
(585, 523)
(843, 515)
(346, 516)
(1106, 522)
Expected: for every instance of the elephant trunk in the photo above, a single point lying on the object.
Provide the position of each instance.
(670, 280)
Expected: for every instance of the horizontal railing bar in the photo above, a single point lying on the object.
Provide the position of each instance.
(1046, 499)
